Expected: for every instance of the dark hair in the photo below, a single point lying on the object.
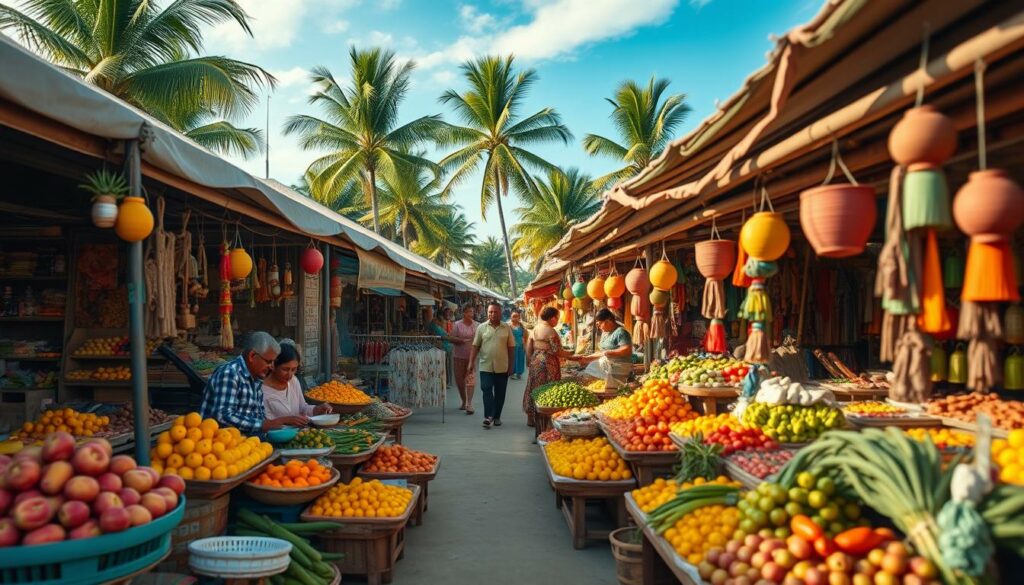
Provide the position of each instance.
(494, 304)
(547, 313)
(468, 307)
(605, 315)
(288, 353)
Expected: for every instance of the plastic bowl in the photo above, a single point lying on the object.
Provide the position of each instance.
(282, 435)
(239, 557)
(325, 420)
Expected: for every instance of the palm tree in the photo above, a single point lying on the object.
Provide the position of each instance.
(496, 135)
(565, 199)
(486, 262)
(644, 126)
(349, 202)
(411, 205)
(360, 125)
(150, 57)
(453, 244)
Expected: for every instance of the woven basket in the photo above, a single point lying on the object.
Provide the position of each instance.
(577, 430)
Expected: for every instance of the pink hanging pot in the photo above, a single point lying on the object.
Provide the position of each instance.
(637, 282)
(990, 206)
(715, 259)
(923, 135)
(838, 219)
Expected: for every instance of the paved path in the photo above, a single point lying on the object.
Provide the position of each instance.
(492, 516)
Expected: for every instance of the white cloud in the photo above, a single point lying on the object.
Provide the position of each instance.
(698, 4)
(274, 25)
(389, 4)
(474, 21)
(380, 38)
(291, 77)
(443, 77)
(335, 27)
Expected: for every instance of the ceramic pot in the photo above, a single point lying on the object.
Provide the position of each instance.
(926, 199)
(660, 298)
(663, 275)
(838, 219)
(134, 220)
(923, 135)
(715, 259)
(311, 261)
(765, 236)
(637, 283)
(990, 206)
(104, 211)
(241, 264)
(595, 288)
(614, 286)
(579, 289)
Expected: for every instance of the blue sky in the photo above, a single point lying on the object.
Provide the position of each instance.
(581, 50)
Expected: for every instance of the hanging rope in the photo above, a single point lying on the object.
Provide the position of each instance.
(837, 158)
(923, 66)
(979, 89)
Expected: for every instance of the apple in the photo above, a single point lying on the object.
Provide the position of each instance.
(839, 562)
(719, 577)
(155, 503)
(55, 502)
(838, 578)
(799, 547)
(152, 473)
(713, 554)
(55, 475)
(912, 579)
(139, 515)
(861, 579)
(22, 475)
(924, 568)
(26, 495)
(173, 482)
(744, 554)
(6, 499)
(110, 482)
(82, 488)
(773, 572)
(90, 529)
(32, 453)
(783, 558)
(752, 540)
(44, 535)
(9, 533)
(121, 464)
(90, 459)
(139, 479)
(894, 563)
(115, 520)
(792, 580)
(815, 576)
(169, 496)
(864, 567)
(758, 559)
(725, 559)
(771, 544)
(129, 496)
(59, 446)
(106, 501)
(738, 568)
(733, 546)
(705, 569)
(73, 514)
(32, 513)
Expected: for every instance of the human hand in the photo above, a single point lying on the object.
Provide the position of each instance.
(323, 409)
(293, 421)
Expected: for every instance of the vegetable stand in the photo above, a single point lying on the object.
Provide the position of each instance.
(647, 465)
(418, 479)
(542, 421)
(661, 564)
(393, 427)
(346, 464)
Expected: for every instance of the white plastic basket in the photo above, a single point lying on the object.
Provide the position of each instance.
(239, 557)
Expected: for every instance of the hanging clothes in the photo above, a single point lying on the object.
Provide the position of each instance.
(416, 375)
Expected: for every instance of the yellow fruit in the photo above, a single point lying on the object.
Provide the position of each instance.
(194, 460)
(186, 473)
(171, 471)
(1016, 438)
(223, 436)
(164, 450)
(232, 470)
(210, 461)
(217, 448)
(164, 438)
(210, 424)
(185, 446)
(195, 434)
(204, 446)
(193, 420)
(175, 460)
(178, 432)
(220, 472)
(179, 422)
(157, 466)
(203, 474)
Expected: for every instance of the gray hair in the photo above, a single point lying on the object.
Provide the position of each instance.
(260, 342)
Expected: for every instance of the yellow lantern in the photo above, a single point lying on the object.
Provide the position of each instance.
(567, 293)
(614, 286)
(134, 220)
(595, 288)
(663, 275)
(765, 236)
(241, 263)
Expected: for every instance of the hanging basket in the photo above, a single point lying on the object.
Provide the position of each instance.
(595, 288)
(134, 220)
(837, 219)
(715, 259)
(765, 236)
(104, 211)
(989, 206)
(637, 282)
(923, 135)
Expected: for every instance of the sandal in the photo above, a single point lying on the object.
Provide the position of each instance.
(487, 423)
(462, 407)
(470, 411)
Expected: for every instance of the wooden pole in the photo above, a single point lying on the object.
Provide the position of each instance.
(803, 297)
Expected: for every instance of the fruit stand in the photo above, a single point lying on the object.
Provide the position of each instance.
(395, 462)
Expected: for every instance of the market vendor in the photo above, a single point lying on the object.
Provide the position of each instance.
(234, 395)
(616, 345)
(282, 393)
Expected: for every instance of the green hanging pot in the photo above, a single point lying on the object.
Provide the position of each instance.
(957, 373)
(926, 199)
(953, 270)
(579, 289)
(940, 363)
(1013, 370)
(1013, 325)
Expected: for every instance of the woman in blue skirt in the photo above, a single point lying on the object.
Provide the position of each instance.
(520, 333)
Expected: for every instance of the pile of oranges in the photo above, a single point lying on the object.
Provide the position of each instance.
(399, 459)
(656, 401)
(1009, 454)
(294, 474)
(80, 424)
(339, 393)
(199, 449)
(649, 497)
(363, 499)
(587, 459)
(702, 530)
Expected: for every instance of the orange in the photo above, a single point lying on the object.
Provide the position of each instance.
(203, 474)
(164, 450)
(175, 460)
(204, 446)
(178, 432)
(217, 448)
(186, 473)
(164, 437)
(194, 460)
(223, 436)
(195, 434)
(232, 470)
(179, 422)
(171, 471)
(185, 446)
(210, 424)
(193, 420)
(210, 461)
(220, 472)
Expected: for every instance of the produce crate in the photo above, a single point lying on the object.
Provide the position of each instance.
(94, 560)
(202, 519)
(647, 465)
(662, 564)
(19, 406)
(422, 479)
(346, 464)
(213, 489)
(275, 496)
(393, 427)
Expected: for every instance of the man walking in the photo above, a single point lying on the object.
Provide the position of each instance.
(493, 349)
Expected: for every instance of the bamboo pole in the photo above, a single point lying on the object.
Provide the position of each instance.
(803, 297)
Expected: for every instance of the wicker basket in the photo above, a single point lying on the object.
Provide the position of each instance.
(577, 429)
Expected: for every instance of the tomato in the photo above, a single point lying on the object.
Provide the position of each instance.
(806, 528)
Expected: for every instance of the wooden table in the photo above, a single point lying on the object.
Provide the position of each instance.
(710, 397)
(572, 497)
(662, 565)
(393, 427)
(346, 464)
(647, 466)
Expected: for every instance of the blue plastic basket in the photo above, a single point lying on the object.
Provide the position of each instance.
(91, 560)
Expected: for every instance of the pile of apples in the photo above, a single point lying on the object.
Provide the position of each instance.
(60, 491)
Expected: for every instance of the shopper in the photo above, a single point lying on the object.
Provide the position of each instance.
(282, 393)
(234, 396)
(520, 333)
(493, 349)
(463, 332)
(543, 353)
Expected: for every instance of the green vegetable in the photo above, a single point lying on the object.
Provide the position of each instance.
(270, 528)
(698, 459)
(564, 395)
(666, 515)
(302, 575)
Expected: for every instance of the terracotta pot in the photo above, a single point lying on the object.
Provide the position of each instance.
(660, 298)
(134, 220)
(715, 259)
(838, 219)
(614, 286)
(579, 289)
(765, 236)
(663, 275)
(990, 206)
(311, 261)
(104, 211)
(637, 283)
(241, 264)
(595, 288)
(567, 293)
(923, 135)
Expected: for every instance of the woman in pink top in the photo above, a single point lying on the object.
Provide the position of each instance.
(282, 393)
(462, 335)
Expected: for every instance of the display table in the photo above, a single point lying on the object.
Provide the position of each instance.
(420, 479)
(346, 464)
(393, 427)
(662, 565)
(647, 466)
(710, 397)
(542, 421)
(572, 497)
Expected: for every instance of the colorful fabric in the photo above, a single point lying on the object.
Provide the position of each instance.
(434, 329)
(519, 364)
(544, 367)
(234, 398)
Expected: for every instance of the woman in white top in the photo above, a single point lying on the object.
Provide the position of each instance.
(282, 393)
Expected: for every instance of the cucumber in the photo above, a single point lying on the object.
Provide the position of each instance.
(332, 556)
(300, 528)
(304, 576)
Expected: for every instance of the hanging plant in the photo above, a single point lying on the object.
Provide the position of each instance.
(311, 260)
(715, 259)
(134, 220)
(838, 219)
(107, 188)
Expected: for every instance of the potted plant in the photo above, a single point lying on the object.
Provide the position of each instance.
(107, 188)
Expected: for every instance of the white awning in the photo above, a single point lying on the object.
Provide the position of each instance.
(424, 298)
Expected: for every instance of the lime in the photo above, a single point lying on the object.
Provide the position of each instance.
(851, 511)
(817, 499)
(794, 509)
(827, 486)
(782, 532)
(798, 495)
(766, 504)
(830, 512)
(778, 517)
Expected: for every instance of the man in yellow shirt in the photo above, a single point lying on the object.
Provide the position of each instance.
(493, 348)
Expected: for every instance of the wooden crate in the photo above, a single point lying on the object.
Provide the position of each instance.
(20, 406)
(203, 519)
(420, 479)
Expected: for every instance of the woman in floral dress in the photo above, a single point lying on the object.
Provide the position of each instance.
(543, 353)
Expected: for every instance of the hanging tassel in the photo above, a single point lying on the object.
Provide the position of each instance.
(641, 331)
(980, 323)
(757, 349)
(990, 274)
(893, 328)
(739, 275)
(659, 326)
(911, 368)
(713, 306)
(933, 318)
(757, 306)
(714, 338)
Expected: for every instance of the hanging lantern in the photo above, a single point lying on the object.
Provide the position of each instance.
(241, 264)
(579, 289)
(614, 285)
(567, 294)
(989, 206)
(1013, 370)
(311, 260)
(274, 280)
(659, 298)
(615, 303)
(715, 258)
(957, 372)
(663, 274)
(838, 219)
(637, 283)
(336, 288)
(134, 220)
(940, 363)
(923, 135)
(595, 288)
(765, 236)
(953, 269)
(989, 275)
(1013, 324)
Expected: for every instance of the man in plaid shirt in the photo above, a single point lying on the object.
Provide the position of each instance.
(234, 394)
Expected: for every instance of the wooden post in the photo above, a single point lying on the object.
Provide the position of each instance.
(803, 297)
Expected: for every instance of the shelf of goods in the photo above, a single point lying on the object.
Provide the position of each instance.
(646, 465)
(661, 563)
(573, 496)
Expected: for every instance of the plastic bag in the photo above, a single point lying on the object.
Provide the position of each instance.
(603, 369)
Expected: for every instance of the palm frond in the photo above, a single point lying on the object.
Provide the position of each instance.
(222, 136)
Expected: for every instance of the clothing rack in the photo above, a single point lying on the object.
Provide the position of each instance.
(384, 367)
